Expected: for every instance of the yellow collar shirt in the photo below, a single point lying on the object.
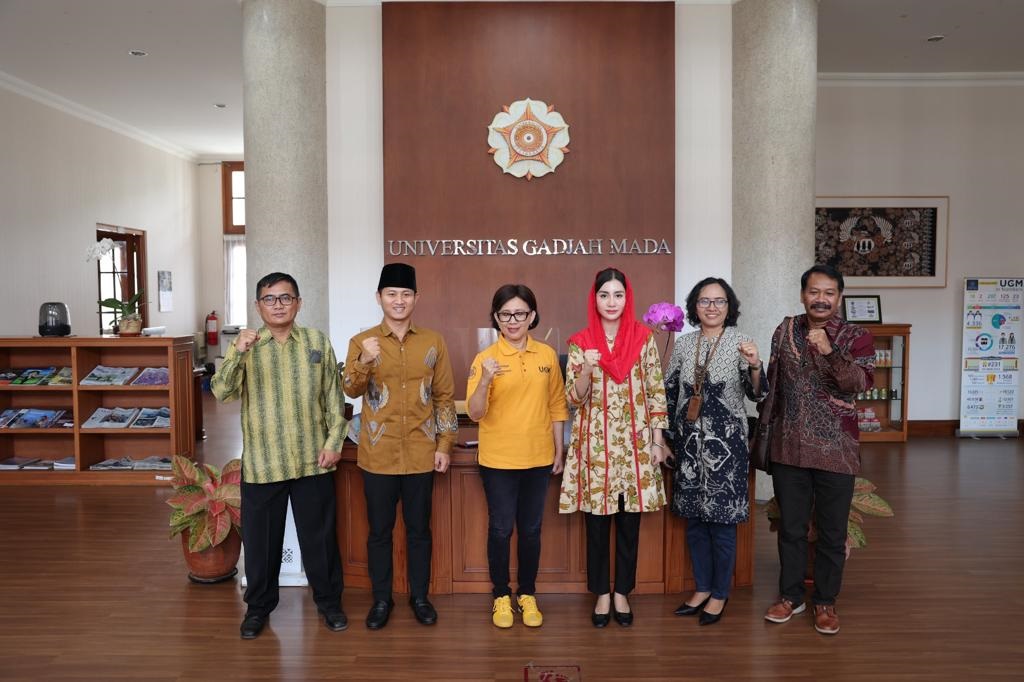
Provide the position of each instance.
(408, 410)
(291, 405)
(516, 430)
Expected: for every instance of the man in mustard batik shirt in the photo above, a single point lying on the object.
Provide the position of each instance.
(292, 431)
(408, 427)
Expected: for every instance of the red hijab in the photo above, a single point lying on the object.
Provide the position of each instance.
(629, 340)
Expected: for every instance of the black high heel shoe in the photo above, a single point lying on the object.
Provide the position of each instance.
(687, 610)
(623, 619)
(600, 619)
(712, 618)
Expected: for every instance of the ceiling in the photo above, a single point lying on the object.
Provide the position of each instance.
(74, 54)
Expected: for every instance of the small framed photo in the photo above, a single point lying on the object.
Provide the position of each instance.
(864, 309)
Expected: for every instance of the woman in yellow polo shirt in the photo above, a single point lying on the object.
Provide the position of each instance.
(517, 394)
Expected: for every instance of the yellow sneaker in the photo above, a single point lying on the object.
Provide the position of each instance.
(502, 612)
(532, 617)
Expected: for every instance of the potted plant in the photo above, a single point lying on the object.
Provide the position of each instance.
(207, 515)
(127, 317)
(865, 501)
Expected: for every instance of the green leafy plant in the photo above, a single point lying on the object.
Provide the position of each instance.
(126, 310)
(865, 501)
(207, 501)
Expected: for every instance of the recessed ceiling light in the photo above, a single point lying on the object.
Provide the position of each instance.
(138, 53)
(936, 38)
(221, 106)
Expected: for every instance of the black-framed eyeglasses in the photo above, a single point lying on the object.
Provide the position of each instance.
(284, 299)
(708, 302)
(508, 316)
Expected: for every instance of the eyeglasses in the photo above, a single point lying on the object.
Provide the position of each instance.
(506, 316)
(284, 299)
(708, 302)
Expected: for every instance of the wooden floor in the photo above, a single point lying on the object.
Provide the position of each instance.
(91, 588)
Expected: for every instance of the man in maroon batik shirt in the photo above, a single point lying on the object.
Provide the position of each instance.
(824, 362)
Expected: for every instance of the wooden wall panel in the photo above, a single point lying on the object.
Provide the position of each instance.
(608, 68)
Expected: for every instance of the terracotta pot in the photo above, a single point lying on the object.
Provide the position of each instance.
(215, 564)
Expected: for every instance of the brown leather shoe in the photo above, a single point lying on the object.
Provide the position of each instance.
(783, 610)
(825, 619)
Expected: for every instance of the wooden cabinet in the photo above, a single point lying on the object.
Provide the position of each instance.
(90, 446)
(882, 412)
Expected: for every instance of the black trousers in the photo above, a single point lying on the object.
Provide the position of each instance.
(515, 499)
(264, 512)
(797, 490)
(383, 491)
(627, 544)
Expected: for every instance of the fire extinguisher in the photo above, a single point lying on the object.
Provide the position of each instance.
(212, 338)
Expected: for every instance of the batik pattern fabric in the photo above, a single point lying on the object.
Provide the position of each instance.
(815, 417)
(712, 459)
(610, 446)
(408, 409)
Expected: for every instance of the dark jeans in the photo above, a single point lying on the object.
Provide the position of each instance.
(627, 543)
(383, 491)
(264, 512)
(515, 497)
(713, 555)
(798, 490)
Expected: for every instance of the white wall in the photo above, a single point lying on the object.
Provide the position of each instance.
(962, 141)
(59, 176)
(355, 170)
(211, 294)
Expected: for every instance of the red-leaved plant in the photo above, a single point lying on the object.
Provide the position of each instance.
(207, 501)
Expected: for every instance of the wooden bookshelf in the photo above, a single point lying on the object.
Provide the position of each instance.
(90, 446)
(891, 374)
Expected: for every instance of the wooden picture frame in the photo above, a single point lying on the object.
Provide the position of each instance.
(883, 241)
(863, 309)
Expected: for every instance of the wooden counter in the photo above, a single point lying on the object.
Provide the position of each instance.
(459, 523)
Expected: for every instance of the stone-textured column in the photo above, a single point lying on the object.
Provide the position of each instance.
(285, 67)
(774, 96)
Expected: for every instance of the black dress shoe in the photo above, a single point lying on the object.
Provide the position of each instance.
(623, 619)
(423, 610)
(711, 618)
(687, 610)
(379, 613)
(600, 619)
(335, 620)
(252, 626)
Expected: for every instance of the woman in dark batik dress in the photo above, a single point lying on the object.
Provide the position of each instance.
(710, 373)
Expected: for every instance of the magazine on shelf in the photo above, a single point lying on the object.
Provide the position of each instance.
(61, 378)
(111, 418)
(39, 465)
(9, 375)
(153, 463)
(16, 462)
(35, 376)
(153, 376)
(32, 418)
(153, 418)
(122, 464)
(7, 416)
(65, 464)
(64, 421)
(109, 376)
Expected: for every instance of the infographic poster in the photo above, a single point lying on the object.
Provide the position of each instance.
(990, 371)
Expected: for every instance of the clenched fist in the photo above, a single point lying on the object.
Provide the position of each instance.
(246, 339)
(491, 368)
(819, 339)
(591, 358)
(371, 350)
(748, 349)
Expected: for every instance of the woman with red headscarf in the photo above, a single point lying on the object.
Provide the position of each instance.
(612, 470)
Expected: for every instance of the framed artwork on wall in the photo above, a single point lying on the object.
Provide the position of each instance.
(863, 309)
(883, 241)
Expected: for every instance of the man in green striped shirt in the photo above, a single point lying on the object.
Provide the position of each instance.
(292, 432)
